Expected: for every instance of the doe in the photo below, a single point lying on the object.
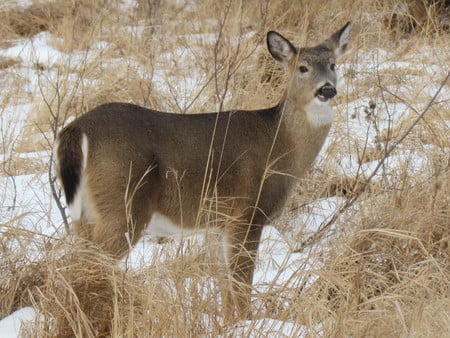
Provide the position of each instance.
(126, 169)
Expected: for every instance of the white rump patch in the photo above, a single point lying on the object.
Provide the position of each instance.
(319, 113)
(162, 226)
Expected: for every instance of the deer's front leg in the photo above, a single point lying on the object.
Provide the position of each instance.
(241, 247)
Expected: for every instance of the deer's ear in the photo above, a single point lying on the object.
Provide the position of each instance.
(338, 41)
(280, 47)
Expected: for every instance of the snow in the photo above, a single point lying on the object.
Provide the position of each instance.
(27, 198)
(34, 51)
(10, 326)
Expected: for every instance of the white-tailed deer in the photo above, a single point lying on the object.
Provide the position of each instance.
(125, 168)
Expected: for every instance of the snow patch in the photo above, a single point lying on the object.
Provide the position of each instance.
(11, 326)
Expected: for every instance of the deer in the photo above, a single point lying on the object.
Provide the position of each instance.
(127, 170)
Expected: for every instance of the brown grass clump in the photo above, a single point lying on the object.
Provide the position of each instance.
(6, 62)
(82, 292)
(79, 293)
(26, 22)
(19, 280)
(414, 16)
(387, 275)
(52, 16)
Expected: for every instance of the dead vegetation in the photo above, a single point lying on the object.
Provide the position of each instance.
(384, 271)
(387, 274)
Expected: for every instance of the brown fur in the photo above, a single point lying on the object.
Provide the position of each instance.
(233, 170)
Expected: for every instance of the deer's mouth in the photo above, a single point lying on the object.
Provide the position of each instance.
(322, 98)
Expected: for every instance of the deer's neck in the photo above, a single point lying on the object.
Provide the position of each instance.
(302, 132)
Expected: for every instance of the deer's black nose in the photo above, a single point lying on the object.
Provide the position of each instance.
(327, 91)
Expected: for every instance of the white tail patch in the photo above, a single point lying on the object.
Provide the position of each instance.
(319, 113)
(80, 204)
(84, 150)
(75, 207)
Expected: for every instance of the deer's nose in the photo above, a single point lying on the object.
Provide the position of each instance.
(326, 92)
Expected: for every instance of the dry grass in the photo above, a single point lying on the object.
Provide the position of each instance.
(385, 270)
(387, 274)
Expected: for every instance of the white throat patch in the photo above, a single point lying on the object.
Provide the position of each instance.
(319, 113)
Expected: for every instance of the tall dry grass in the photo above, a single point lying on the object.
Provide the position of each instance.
(384, 271)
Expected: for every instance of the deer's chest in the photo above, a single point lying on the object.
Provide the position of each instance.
(319, 113)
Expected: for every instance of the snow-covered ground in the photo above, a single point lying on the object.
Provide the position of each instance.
(10, 326)
(27, 199)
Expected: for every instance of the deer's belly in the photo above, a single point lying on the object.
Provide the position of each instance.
(162, 226)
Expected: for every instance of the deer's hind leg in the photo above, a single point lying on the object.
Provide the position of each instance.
(119, 213)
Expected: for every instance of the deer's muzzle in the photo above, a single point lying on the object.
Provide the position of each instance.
(326, 92)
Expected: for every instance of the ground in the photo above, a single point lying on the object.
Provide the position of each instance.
(362, 247)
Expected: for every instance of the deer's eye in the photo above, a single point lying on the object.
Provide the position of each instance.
(303, 69)
(333, 67)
